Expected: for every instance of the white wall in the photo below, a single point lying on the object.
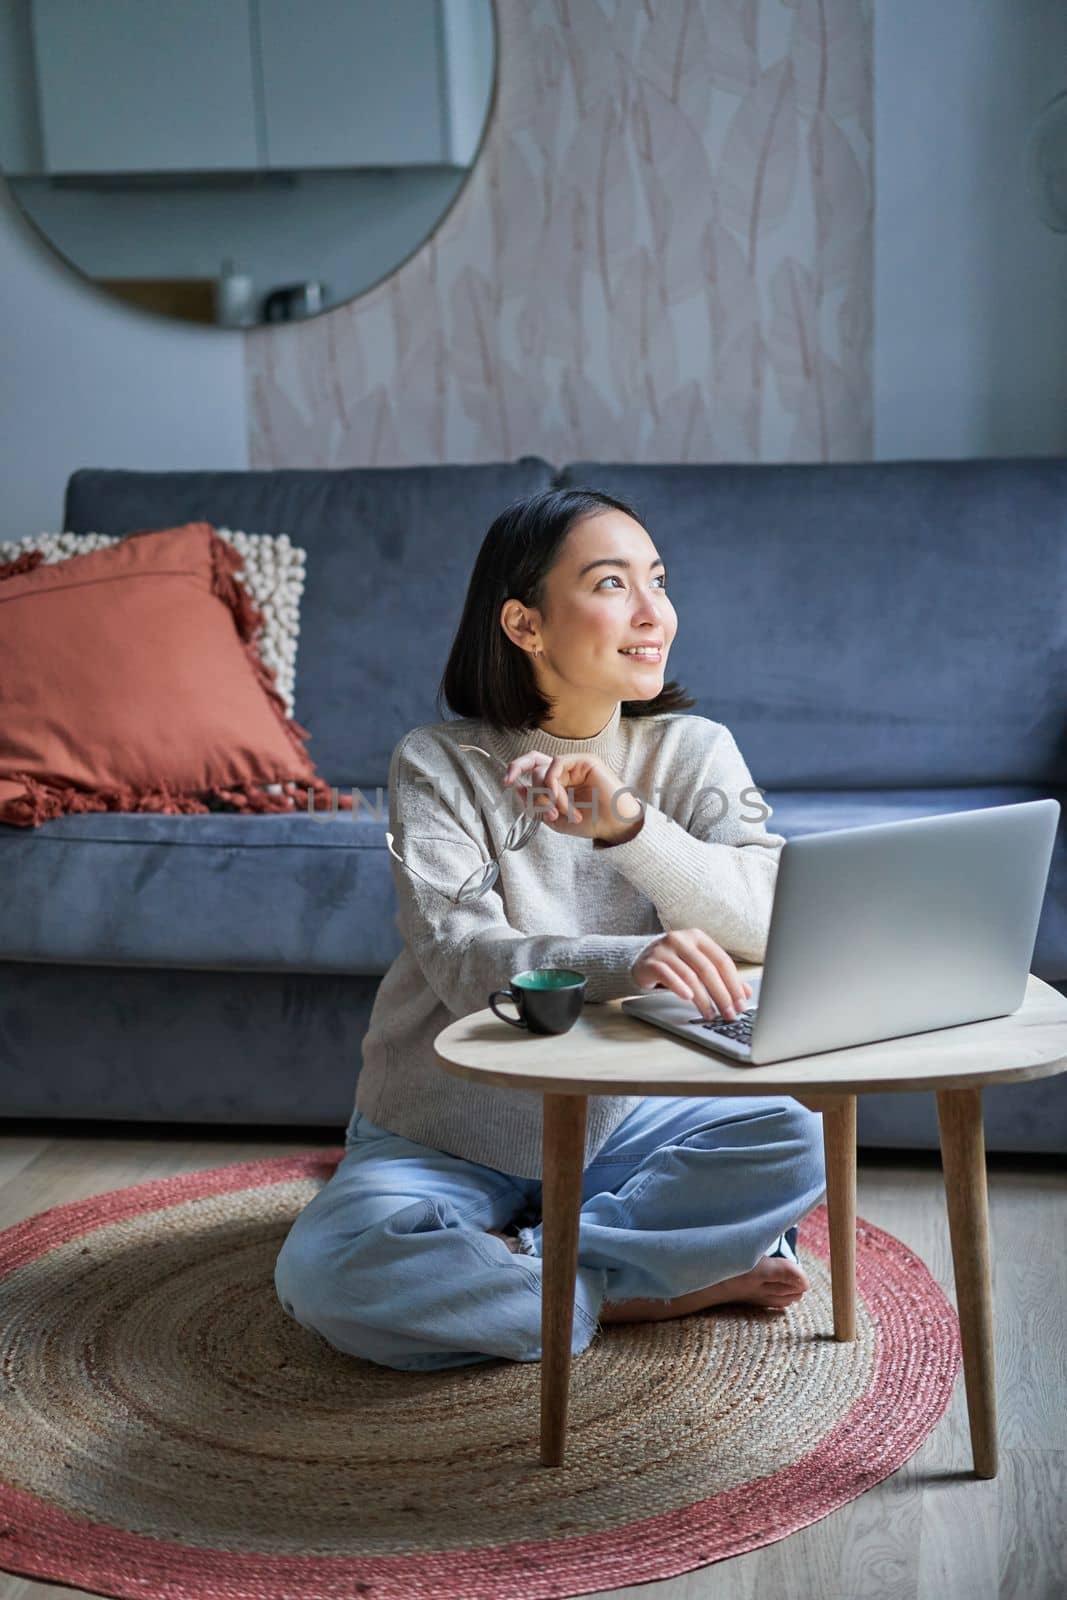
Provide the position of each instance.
(86, 381)
(970, 287)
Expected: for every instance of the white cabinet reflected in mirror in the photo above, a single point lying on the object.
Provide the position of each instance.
(236, 162)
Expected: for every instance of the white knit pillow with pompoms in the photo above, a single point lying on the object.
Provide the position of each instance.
(273, 573)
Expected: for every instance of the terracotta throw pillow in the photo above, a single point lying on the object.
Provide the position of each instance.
(273, 574)
(129, 681)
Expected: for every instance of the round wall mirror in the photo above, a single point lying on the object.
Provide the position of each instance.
(240, 162)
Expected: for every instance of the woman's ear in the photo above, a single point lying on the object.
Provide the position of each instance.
(520, 626)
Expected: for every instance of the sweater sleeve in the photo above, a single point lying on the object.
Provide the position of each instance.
(466, 951)
(717, 872)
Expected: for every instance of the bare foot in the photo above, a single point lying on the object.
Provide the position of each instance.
(773, 1283)
(508, 1238)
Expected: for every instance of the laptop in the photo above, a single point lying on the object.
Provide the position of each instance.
(885, 930)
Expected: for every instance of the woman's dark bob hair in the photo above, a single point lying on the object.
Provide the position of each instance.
(489, 678)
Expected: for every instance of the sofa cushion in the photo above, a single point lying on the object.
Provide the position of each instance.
(389, 555)
(315, 893)
(879, 624)
(287, 892)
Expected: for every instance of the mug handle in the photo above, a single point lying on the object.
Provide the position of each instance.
(507, 995)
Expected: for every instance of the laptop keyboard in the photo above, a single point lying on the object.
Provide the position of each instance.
(740, 1029)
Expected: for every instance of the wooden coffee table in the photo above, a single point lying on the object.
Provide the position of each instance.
(609, 1052)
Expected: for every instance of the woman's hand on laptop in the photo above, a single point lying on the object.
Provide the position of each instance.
(688, 961)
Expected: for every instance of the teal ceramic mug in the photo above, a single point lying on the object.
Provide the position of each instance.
(548, 999)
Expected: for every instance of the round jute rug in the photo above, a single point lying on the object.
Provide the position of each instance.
(167, 1430)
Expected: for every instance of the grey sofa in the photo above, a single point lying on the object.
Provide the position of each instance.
(884, 640)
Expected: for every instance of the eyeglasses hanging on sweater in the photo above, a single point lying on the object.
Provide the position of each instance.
(482, 878)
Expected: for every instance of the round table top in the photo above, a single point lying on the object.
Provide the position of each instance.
(609, 1051)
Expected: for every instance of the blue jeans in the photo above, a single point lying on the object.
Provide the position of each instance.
(390, 1260)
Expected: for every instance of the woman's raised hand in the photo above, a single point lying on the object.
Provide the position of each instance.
(689, 961)
(603, 806)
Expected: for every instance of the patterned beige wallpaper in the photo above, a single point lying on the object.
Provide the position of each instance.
(664, 253)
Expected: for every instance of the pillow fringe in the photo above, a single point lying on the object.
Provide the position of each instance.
(248, 619)
(23, 563)
(226, 560)
(43, 801)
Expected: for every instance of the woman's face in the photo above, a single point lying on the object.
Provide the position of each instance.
(606, 593)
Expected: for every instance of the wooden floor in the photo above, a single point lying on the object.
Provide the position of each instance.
(930, 1530)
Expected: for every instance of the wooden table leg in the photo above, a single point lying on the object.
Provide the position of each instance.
(561, 1205)
(839, 1145)
(959, 1116)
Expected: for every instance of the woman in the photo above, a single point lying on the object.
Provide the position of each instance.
(644, 870)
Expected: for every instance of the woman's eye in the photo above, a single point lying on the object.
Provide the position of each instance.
(662, 576)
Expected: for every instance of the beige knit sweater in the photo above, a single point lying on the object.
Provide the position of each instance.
(698, 861)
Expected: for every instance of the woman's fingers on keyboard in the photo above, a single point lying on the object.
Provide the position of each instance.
(677, 977)
(694, 976)
(714, 983)
(669, 978)
(715, 968)
(693, 979)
